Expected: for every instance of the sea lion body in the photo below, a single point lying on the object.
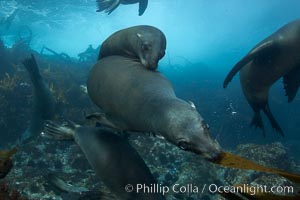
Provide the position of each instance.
(136, 99)
(110, 5)
(145, 43)
(114, 160)
(275, 57)
(44, 102)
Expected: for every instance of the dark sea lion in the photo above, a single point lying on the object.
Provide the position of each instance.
(44, 102)
(276, 56)
(136, 99)
(111, 5)
(146, 43)
(114, 160)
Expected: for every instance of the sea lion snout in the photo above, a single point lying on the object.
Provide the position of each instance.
(152, 46)
(207, 147)
(151, 52)
(149, 62)
(202, 145)
(195, 137)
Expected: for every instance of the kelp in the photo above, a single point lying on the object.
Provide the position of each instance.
(6, 162)
(233, 161)
(7, 193)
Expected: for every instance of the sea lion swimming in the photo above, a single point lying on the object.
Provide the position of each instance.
(111, 5)
(146, 43)
(136, 99)
(114, 160)
(44, 102)
(276, 56)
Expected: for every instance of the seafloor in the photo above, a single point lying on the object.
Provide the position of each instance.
(37, 160)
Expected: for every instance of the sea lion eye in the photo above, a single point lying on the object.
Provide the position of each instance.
(184, 145)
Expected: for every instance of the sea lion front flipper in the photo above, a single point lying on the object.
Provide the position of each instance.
(260, 50)
(56, 131)
(142, 6)
(62, 185)
(31, 66)
(291, 82)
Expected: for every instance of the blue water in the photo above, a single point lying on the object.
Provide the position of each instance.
(204, 40)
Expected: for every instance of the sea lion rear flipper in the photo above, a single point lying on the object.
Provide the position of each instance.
(107, 5)
(257, 122)
(291, 82)
(142, 6)
(272, 120)
(260, 50)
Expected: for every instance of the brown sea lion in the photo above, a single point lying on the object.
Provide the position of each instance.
(146, 43)
(114, 160)
(110, 5)
(276, 56)
(136, 99)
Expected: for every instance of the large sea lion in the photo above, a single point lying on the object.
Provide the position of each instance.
(276, 56)
(111, 5)
(146, 43)
(136, 99)
(114, 160)
(44, 102)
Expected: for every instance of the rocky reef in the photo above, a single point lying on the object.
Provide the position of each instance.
(170, 166)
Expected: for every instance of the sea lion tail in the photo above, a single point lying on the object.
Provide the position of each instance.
(56, 131)
(272, 120)
(257, 121)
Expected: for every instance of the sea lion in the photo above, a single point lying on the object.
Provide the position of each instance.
(146, 43)
(114, 160)
(44, 102)
(110, 5)
(276, 56)
(136, 99)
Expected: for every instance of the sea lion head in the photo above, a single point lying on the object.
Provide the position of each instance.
(190, 132)
(152, 46)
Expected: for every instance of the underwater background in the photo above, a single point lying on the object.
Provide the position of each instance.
(205, 39)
